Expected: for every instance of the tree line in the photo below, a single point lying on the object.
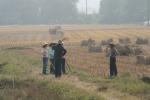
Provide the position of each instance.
(124, 11)
(66, 12)
(37, 11)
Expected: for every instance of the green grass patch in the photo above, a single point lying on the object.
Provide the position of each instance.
(35, 89)
(125, 83)
(132, 86)
(18, 66)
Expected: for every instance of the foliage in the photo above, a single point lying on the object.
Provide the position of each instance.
(37, 11)
(123, 11)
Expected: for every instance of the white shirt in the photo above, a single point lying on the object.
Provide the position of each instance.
(45, 52)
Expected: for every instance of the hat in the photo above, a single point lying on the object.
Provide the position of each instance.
(60, 42)
(52, 44)
(112, 44)
(45, 43)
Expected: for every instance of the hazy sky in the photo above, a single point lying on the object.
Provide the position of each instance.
(93, 5)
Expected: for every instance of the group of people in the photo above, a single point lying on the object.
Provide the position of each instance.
(55, 53)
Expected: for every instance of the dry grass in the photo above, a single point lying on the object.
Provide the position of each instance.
(11, 36)
(95, 64)
(33, 34)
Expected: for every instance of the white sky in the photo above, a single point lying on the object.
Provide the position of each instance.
(93, 5)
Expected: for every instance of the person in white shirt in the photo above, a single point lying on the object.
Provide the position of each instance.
(45, 58)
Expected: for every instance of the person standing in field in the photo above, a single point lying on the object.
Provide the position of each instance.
(112, 53)
(45, 58)
(51, 57)
(58, 54)
(63, 62)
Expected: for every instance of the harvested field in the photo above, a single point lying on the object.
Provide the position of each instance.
(89, 69)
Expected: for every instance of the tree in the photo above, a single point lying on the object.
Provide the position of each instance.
(123, 11)
(37, 11)
(17, 11)
(58, 11)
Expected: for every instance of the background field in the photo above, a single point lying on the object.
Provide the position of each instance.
(75, 33)
(20, 48)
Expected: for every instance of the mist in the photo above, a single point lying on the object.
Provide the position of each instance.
(73, 12)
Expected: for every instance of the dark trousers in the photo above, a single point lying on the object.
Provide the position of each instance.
(45, 65)
(52, 66)
(57, 68)
(113, 67)
(63, 65)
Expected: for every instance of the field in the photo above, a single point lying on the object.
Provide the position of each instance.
(20, 65)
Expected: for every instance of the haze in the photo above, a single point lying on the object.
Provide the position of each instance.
(93, 6)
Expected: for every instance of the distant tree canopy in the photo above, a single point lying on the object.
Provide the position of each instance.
(65, 11)
(37, 11)
(123, 11)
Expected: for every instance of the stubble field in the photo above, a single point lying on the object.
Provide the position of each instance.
(27, 41)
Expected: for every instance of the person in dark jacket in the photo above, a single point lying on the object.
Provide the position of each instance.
(112, 53)
(63, 61)
(58, 54)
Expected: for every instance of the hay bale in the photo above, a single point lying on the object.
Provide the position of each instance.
(56, 33)
(124, 50)
(106, 42)
(57, 30)
(88, 42)
(95, 49)
(142, 41)
(136, 50)
(148, 60)
(124, 40)
(84, 43)
(146, 79)
(52, 31)
(141, 59)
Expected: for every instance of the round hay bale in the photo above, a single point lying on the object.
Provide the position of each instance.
(56, 30)
(146, 79)
(148, 60)
(124, 50)
(106, 42)
(52, 31)
(95, 49)
(56, 33)
(88, 42)
(142, 41)
(84, 43)
(124, 40)
(136, 51)
(141, 59)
